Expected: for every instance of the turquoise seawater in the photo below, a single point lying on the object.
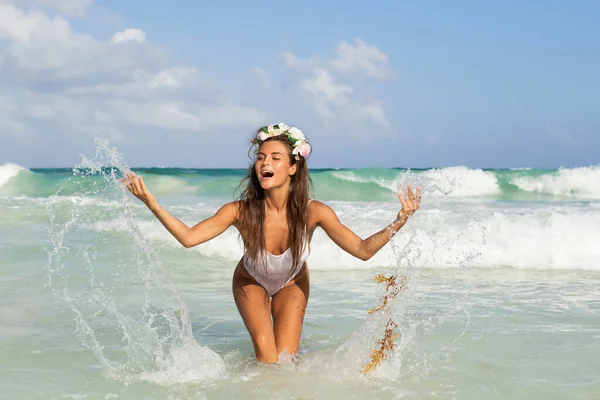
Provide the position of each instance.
(501, 300)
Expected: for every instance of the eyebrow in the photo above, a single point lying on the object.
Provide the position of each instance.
(275, 152)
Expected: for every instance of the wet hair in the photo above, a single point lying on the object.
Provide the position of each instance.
(253, 208)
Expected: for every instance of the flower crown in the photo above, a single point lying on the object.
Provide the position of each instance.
(295, 136)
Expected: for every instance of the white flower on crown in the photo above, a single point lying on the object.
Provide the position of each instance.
(283, 127)
(296, 133)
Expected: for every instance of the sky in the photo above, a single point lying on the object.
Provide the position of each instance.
(494, 84)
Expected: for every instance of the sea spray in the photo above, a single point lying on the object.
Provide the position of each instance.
(128, 311)
(389, 343)
(410, 319)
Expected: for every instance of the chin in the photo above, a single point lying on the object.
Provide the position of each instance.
(270, 185)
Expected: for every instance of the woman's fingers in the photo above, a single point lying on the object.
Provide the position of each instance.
(402, 201)
(142, 185)
(410, 200)
(134, 184)
(138, 185)
(127, 184)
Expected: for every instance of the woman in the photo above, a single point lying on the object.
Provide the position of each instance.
(276, 220)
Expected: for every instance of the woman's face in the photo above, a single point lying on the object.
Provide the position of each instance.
(273, 165)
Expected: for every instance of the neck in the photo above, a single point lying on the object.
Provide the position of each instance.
(276, 199)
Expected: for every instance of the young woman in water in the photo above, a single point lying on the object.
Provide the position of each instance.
(276, 220)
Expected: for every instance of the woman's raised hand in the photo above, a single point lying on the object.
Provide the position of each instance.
(410, 202)
(135, 184)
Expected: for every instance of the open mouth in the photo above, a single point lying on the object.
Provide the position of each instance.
(267, 174)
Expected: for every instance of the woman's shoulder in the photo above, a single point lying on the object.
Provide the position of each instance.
(317, 207)
(232, 209)
(316, 203)
(232, 205)
(313, 201)
(320, 213)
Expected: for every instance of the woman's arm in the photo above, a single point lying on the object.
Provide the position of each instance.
(188, 237)
(366, 248)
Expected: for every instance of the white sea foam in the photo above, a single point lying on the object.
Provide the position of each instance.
(451, 181)
(528, 238)
(460, 182)
(581, 182)
(9, 170)
(561, 237)
(191, 363)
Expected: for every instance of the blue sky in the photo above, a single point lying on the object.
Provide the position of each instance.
(392, 83)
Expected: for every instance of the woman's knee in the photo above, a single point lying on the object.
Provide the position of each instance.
(264, 347)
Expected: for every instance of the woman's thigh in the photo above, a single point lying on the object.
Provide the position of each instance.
(254, 305)
(288, 307)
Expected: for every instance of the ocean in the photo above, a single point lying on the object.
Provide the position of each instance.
(497, 290)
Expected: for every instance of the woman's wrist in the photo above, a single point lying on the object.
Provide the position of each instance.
(152, 205)
(401, 218)
(398, 223)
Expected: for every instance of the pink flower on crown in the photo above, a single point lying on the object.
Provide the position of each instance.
(262, 136)
(302, 148)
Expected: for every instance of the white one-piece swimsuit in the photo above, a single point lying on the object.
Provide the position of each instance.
(277, 272)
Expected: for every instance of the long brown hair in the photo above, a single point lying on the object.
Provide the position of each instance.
(252, 208)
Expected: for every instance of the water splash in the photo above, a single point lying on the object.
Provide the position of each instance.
(391, 343)
(128, 311)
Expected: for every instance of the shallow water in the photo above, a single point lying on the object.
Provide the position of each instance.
(99, 302)
(530, 334)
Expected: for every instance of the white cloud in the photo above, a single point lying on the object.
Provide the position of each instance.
(69, 8)
(109, 132)
(7, 106)
(290, 61)
(9, 124)
(142, 83)
(128, 35)
(68, 83)
(322, 85)
(361, 58)
(34, 26)
(41, 111)
(325, 92)
(44, 50)
(333, 90)
(103, 117)
(72, 8)
(184, 116)
(373, 111)
(263, 77)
